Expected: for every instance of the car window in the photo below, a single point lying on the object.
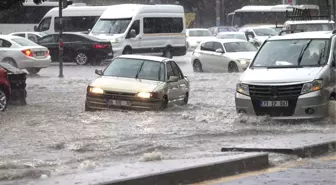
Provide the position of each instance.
(24, 42)
(136, 68)
(239, 47)
(218, 45)
(73, 38)
(20, 35)
(177, 71)
(207, 46)
(170, 71)
(136, 27)
(48, 39)
(45, 24)
(265, 32)
(5, 44)
(33, 37)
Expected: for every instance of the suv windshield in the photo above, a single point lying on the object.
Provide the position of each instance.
(265, 32)
(111, 26)
(135, 68)
(293, 53)
(239, 47)
(199, 33)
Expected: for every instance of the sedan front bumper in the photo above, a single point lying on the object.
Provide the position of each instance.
(94, 101)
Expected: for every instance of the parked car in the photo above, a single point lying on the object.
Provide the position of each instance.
(196, 35)
(77, 47)
(135, 81)
(257, 35)
(232, 35)
(33, 36)
(221, 55)
(23, 53)
(17, 80)
(218, 29)
(5, 89)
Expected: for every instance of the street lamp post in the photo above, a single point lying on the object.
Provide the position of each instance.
(60, 53)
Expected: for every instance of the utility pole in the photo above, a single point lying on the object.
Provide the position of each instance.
(60, 53)
(218, 12)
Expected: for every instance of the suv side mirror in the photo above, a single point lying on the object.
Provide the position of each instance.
(173, 79)
(89, 30)
(35, 28)
(133, 33)
(99, 72)
(219, 50)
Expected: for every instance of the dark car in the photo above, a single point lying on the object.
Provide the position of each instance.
(17, 82)
(78, 47)
(217, 29)
(4, 89)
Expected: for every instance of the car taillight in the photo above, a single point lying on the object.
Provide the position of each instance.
(48, 53)
(28, 52)
(101, 46)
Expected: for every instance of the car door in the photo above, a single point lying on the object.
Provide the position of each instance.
(206, 55)
(218, 62)
(182, 82)
(51, 42)
(5, 50)
(72, 44)
(173, 87)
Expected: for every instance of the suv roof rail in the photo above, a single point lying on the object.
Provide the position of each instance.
(290, 31)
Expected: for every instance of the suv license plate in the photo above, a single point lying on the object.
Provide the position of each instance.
(283, 103)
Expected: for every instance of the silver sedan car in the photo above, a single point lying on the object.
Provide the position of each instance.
(23, 53)
(220, 55)
(142, 82)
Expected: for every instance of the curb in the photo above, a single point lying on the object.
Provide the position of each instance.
(198, 173)
(303, 152)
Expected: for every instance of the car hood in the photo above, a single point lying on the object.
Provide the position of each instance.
(280, 76)
(129, 85)
(241, 55)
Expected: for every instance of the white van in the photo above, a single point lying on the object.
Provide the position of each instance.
(75, 19)
(135, 28)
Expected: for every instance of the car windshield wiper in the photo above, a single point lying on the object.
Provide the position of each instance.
(137, 75)
(321, 55)
(303, 50)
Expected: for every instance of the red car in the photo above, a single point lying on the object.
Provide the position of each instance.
(5, 89)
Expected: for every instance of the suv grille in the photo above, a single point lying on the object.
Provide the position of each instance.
(288, 93)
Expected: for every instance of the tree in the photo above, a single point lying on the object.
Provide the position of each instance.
(12, 4)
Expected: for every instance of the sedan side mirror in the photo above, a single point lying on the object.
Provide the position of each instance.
(173, 79)
(99, 72)
(219, 50)
(133, 33)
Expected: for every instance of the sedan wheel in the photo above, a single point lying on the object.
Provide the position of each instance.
(197, 66)
(3, 100)
(33, 71)
(81, 59)
(233, 67)
(10, 62)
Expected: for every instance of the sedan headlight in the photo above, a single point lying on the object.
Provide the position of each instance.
(96, 90)
(315, 85)
(243, 89)
(147, 95)
(243, 61)
(115, 41)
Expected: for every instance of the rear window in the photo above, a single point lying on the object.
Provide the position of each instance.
(24, 42)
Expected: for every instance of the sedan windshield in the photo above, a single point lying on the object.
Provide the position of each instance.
(239, 47)
(24, 42)
(199, 33)
(293, 53)
(231, 36)
(265, 32)
(111, 26)
(136, 68)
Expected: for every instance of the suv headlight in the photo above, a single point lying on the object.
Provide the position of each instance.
(243, 89)
(95, 90)
(315, 85)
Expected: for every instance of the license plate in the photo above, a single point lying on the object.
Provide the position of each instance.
(110, 54)
(119, 103)
(283, 103)
(40, 53)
